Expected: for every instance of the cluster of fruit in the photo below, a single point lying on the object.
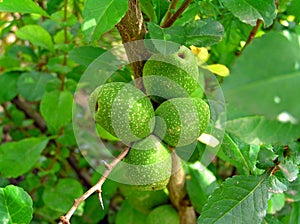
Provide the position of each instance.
(171, 82)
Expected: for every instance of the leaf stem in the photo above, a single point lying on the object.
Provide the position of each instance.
(176, 15)
(96, 188)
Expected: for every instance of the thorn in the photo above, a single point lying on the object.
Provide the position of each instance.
(100, 199)
(107, 166)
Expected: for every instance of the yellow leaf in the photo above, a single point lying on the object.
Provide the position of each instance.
(217, 69)
(201, 54)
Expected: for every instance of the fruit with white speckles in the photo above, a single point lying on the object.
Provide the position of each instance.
(163, 214)
(149, 164)
(122, 110)
(180, 121)
(171, 76)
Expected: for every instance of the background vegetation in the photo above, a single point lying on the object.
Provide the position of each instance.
(45, 48)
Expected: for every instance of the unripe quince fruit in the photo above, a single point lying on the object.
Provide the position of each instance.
(171, 76)
(122, 110)
(180, 121)
(149, 164)
(144, 201)
(163, 214)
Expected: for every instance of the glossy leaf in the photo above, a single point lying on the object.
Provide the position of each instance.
(56, 108)
(200, 183)
(231, 153)
(203, 33)
(15, 205)
(236, 196)
(264, 82)
(32, 85)
(23, 155)
(101, 16)
(61, 196)
(295, 214)
(40, 38)
(249, 11)
(8, 86)
(127, 214)
(257, 129)
(85, 55)
(24, 6)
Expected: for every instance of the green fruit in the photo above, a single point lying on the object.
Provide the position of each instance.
(172, 76)
(180, 121)
(144, 201)
(163, 214)
(149, 164)
(122, 110)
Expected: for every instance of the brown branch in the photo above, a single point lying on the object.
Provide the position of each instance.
(252, 33)
(21, 104)
(176, 15)
(170, 12)
(96, 188)
(178, 193)
(132, 28)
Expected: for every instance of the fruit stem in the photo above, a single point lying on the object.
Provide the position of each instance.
(96, 188)
(178, 193)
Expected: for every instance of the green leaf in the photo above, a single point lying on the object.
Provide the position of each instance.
(200, 184)
(61, 196)
(293, 190)
(257, 129)
(295, 213)
(293, 9)
(276, 203)
(127, 214)
(24, 6)
(266, 157)
(36, 35)
(148, 9)
(289, 170)
(32, 85)
(101, 16)
(203, 33)
(56, 108)
(249, 11)
(15, 205)
(173, 34)
(265, 82)
(241, 199)
(8, 86)
(17, 158)
(231, 153)
(85, 55)
(161, 7)
(276, 185)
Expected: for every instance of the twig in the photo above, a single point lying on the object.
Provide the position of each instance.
(21, 104)
(252, 33)
(178, 193)
(170, 11)
(178, 13)
(96, 188)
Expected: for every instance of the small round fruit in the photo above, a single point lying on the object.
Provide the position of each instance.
(163, 214)
(149, 164)
(171, 76)
(122, 110)
(143, 201)
(180, 121)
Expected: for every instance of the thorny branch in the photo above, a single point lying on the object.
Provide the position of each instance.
(96, 188)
